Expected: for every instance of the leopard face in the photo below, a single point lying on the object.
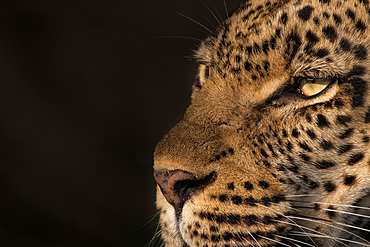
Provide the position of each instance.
(274, 148)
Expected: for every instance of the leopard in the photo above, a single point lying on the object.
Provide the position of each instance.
(273, 149)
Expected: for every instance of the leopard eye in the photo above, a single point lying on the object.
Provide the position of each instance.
(311, 86)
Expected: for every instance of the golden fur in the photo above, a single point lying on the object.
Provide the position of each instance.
(254, 162)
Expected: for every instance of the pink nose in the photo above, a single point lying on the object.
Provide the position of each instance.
(178, 186)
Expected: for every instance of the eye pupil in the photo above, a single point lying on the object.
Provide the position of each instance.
(206, 71)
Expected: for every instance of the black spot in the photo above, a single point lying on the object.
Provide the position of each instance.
(344, 120)
(257, 48)
(305, 157)
(329, 186)
(265, 47)
(248, 186)
(254, 77)
(330, 33)
(263, 184)
(215, 238)
(223, 198)
(323, 52)
(305, 13)
(345, 45)
(324, 164)
(248, 49)
(311, 134)
(227, 236)
(360, 26)
(284, 18)
(289, 147)
(293, 41)
(325, 1)
(357, 70)
(346, 134)
(349, 180)
(263, 152)
(295, 133)
(250, 219)
(267, 220)
(250, 201)
(331, 213)
(338, 103)
(213, 228)
(365, 139)
(322, 121)
(304, 146)
(359, 89)
(231, 186)
(326, 145)
(316, 206)
(293, 169)
(266, 163)
(266, 201)
(345, 148)
(313, 185)
(231, 151)
(360, 52)
(355, 158)
(337, 19)
(351, 14)
(308, 118)
(325, 15)
(204, 236)
(195, 233)
(316, 21)
(328, 104)
(237, 200)
(266, 65)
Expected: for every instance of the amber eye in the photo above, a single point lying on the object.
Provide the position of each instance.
(311, 86)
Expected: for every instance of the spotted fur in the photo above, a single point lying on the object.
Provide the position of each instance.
(253, 162)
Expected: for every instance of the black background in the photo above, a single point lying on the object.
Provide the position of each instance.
(87, 88)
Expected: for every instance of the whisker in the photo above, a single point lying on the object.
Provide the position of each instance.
(219, 23)
(335, 238)
(151, 219)
(218, 13)
(210, 22)
(302, 227)
(288, 219)
(295, 240)
(227, 12)
(301, 195)
(316, 221)
(344, 205)
(277, 204)
(273, 240)
(187, 17)
(241, 237)
(344, 212)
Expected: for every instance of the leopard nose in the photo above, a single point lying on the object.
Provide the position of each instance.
(178, 186)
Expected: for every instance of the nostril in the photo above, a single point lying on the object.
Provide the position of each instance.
(178, 186)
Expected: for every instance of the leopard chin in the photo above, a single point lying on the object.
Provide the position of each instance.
(274, 147)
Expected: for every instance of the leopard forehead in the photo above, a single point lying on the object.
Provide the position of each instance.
(254, 162)
(266, 39)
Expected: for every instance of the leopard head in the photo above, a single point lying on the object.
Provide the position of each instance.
(273, 150)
